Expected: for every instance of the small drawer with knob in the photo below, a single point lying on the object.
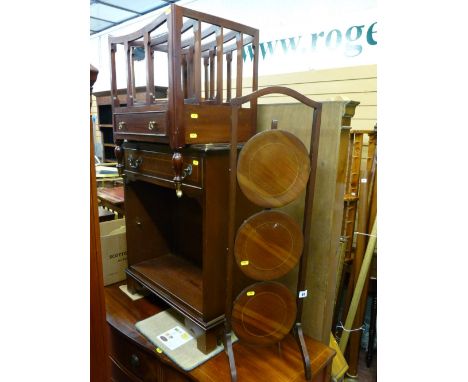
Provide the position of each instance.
(141, 126)
(133, 359)
(158, 166)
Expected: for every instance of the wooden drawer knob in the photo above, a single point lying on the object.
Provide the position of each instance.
(135, 361)
(134, 162)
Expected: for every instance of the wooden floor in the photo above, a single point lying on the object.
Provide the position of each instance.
(365, 374)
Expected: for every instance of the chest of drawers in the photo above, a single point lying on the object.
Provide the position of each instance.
(130, 362)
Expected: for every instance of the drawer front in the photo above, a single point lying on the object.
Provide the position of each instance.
(212, 124)
(159, 165)
(166, 375)
(171, 375)
(120, 375)
(133, 359)
(141, 125)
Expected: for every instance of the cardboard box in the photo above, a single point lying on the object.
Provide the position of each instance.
(113, 251)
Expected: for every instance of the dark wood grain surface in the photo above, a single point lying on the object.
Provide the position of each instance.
(99, 370)
(146, 123)
(212, 123)
(254, 364)
(112, 198)
(159, 165)
(114, 195)
(177, 276)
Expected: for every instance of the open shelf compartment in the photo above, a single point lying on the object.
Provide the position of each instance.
(174, 279)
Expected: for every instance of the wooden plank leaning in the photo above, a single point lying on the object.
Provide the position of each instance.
(359, 287)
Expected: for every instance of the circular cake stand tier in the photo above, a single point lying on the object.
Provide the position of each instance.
(263, 313)
(268, 245)
(273, 168)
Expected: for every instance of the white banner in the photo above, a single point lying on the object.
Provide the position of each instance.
(350, 43)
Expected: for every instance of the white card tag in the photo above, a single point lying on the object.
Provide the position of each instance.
(175, 337)
(303, 293)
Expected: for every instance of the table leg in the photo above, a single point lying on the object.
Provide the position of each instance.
(208, 340)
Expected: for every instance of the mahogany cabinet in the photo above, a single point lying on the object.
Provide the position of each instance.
(173, 154)
(177, 245)
(177, 155)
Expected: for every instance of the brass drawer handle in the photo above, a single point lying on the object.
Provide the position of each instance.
(134, 163)
(122, 125)
(152, 125)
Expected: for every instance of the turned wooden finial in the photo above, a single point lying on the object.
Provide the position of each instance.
(180, 173)
(119, 156)
(93, 73)
(178, 166)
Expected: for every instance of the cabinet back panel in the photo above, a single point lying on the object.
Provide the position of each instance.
(158, 223)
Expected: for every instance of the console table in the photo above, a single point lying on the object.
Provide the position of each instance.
(112, 198)
(133, 357)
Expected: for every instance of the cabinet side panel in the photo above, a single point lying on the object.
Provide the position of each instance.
(215, 241)
(215, 233)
